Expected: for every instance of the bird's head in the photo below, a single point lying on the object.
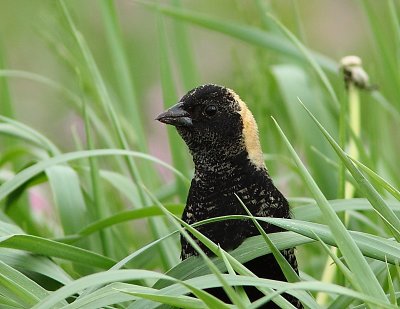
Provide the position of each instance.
(215, 124)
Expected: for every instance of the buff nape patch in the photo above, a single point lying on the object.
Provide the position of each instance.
(250, 133)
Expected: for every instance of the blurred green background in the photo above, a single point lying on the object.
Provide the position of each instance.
(35, 39)
(79, 75)
(31, 31)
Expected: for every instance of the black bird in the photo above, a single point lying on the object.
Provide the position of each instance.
(222, 136)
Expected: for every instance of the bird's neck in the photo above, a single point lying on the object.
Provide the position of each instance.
(210, 168)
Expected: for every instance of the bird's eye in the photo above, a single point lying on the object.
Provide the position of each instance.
(210, 110)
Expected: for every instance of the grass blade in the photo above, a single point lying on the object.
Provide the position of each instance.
(39, 167)
(378, 179)
(68, 197)
(184, 54)
(72, 97)
(370, 245)
(236, 300)
(314, 64)
(32, 135)
(127, 215)
(367, 189)
(122, 73)
(48, 247)
(170, 97)
(18, 287)
(242, 32)
(352, 254)
(173, 300)
(101, 90)
(26, 262)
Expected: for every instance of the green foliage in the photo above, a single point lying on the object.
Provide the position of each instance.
(92, 221)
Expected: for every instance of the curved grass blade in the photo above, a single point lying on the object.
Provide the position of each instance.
(27, 262)
(32, 135)
(128, 215)
(205, 300)
(310, 211)
(65, 91)
(40, 79)
(18, 287)
(172, 300)
(314, 64)
(95, 280)
(122, 73)
(123, 184)
(210, 300)
(52, 248)
(33, 170)
(378, 179)
(370, 245)
(242, 32)
(100, 298)
(170, 97)
(64, 184)
(331, 288)
(11, 131)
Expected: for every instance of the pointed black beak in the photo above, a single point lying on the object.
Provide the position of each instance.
(176, 116)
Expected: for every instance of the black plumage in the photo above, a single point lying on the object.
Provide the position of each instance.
(222, 137)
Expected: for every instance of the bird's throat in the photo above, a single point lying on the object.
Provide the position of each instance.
(219, 168)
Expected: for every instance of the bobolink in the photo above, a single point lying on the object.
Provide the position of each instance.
(222, 136)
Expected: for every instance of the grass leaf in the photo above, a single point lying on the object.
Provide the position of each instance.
(352, 254)
(367, 189)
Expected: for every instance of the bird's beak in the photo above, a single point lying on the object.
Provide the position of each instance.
(176, 116)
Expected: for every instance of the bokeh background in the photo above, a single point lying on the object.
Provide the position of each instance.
(122, 62)
(30, 33)
(34, 39)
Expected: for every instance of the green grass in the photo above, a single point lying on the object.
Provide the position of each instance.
(88, 218)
